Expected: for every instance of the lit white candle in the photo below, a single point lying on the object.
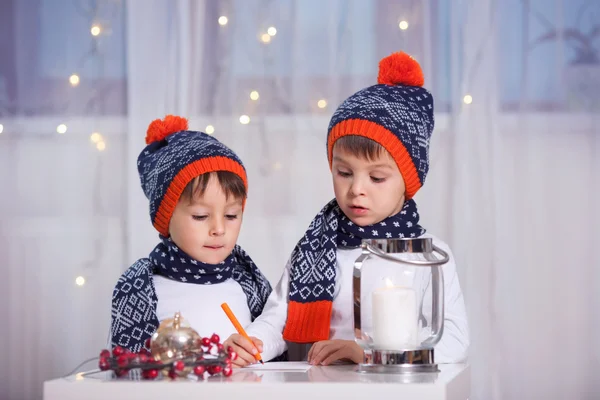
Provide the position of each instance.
(395, 318)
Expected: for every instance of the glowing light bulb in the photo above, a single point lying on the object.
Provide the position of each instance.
(403, 25)
(95, 137)
(223, 20)
(272, 31)
(254, 95)
(322, 103)
(101, 146)
(210, 129)
(80, 281)
(468, 99)
(265, 37)
(95, 30)
(62, 129)
(74, 80)
(244, 120)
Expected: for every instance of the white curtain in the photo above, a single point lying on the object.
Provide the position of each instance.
(513, 187)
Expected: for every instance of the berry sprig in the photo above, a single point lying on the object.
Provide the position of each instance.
(209, 359)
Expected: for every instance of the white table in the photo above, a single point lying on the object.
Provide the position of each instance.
(451, 383)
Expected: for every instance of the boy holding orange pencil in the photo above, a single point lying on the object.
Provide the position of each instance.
(378, 152)
(197, 189)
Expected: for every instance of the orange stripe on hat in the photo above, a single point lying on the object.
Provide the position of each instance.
(185, 176)
(385, 138)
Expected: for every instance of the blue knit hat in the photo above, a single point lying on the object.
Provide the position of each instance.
(175, 156)
(397, 113)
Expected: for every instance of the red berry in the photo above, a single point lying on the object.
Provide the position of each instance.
(229, 349)
(121, 372)
(145, 352)
(205, 342)
(179, 365)
(173, 374)
(143, 358)
(104, 354)
(215, 338)
(216, 369)
(152, 373)
(227, 371)
(123, 360)
(228, 362)
(117, 351)
(220, 347)
(147, 343)
(233, 356)
(199, 370)
(103, 364)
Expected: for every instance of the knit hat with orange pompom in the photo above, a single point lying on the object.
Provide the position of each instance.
(397, 113)
(172, 158)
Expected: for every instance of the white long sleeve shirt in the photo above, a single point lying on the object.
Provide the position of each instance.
(452, 347)
(200, 305)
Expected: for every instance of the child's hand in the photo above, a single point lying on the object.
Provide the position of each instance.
(244, 349)
(328, 351)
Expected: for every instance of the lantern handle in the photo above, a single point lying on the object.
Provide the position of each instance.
(429, 263)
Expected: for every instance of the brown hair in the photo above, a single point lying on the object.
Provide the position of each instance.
(360, 146)
(231, 183)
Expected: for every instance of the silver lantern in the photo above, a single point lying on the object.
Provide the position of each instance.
(398, 292)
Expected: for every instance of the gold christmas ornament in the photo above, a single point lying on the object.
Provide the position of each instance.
(175, 340)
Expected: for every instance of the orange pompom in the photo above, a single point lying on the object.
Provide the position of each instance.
(400, 69)
(161, 128)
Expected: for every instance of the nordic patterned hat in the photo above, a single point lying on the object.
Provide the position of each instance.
(397, 113)
(173, 157)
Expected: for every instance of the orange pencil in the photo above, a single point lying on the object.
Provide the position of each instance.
(239, 328)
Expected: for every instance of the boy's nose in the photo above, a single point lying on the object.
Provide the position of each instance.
(357, 188)
(218, 228)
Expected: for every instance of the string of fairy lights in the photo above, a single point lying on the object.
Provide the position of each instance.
(266, 37)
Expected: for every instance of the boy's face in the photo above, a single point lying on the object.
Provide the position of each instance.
(367, 191)
(207, 227)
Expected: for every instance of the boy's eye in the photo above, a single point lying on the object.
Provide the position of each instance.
(231, 216)
(199, 217)
(344, 174)
(377, 180)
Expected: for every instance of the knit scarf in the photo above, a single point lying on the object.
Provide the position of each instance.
(313, 265)
(134, 297)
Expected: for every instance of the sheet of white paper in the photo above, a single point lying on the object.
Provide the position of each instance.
(281, 366)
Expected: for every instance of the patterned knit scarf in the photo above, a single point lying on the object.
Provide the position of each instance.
(313, 265)
(134, 297)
